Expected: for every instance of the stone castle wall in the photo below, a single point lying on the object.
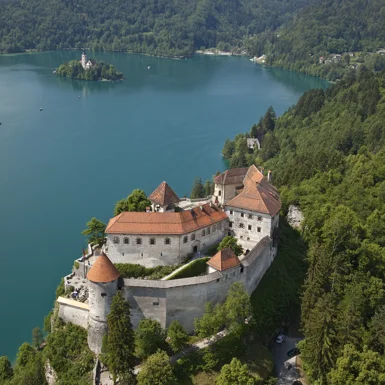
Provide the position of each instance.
(73, 311)
(185, 299)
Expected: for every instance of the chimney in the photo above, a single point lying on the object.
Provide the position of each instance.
(148, 209)
(269, 176)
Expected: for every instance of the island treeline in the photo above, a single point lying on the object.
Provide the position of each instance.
(172, 28)
(100, 70)
(327, 155)
(308, 42)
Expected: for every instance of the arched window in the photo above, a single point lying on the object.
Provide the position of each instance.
(219, 193)
(185, 239)
(192, 237)
(241, 225)
(126, 241)
(152, 241)
(208, 230)
(203, 233)
(138, 241)
(116, 240)
(167, 241)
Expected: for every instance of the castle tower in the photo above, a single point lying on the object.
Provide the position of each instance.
(103, 284)
(84, 60)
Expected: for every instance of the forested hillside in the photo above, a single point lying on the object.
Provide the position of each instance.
(328, 156)
(175, 27)
(323, 28)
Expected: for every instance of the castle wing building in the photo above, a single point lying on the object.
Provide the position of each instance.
(163, 198)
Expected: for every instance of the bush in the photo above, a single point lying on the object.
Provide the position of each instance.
(76, 265)
(212, 250)
(60, 289)
(194, 269)
(132, 270)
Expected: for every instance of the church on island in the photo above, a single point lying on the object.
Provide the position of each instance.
(178, 231)
(86, 63)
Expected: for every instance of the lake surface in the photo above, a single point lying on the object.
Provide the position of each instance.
(72, 161)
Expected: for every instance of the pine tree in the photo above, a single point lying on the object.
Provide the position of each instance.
(269, 119)
(121, 341)
(198, 190)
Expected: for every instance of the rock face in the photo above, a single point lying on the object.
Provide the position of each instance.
(50, 374)
(295, 217)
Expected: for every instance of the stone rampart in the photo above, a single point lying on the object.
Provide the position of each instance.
(73, 311)
(184, 299)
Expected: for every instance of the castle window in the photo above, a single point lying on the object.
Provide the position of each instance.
(167, 241)
(219, 227)
(126, 241)
(208, 230)
(250, 216)
(152, 241)
(258, 229)
(203, 233)
(214, 229)
(231, 212)
(115, 240)
(230, 224)
(241, 225)
(249, 227)
(241, 237)
(185, 239)
(242, 269)
(248, 238)
(155, 303)
(138, 241)
(219, 193)
(259, 218)
(103, 295)
(192, 237)
(242, 215)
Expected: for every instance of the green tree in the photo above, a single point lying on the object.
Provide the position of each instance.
(37, 338)
(95, 231)
(136, 201)
(209, 188)
(236, 373)
(231, 242)
(177, 336)
(358, 368)
(198, 190)
(121, 359)
(157, 370)
(149, 337)
(25, 354)
(228, 149)
(6, 371)
(268, 121)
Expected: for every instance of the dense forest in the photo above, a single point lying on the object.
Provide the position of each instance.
(172, 28)
(100, 70)
(324, 28)
(328, 156)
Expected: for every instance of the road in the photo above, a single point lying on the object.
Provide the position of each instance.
(282, 362)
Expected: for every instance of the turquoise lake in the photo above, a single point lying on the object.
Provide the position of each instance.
(72, 161)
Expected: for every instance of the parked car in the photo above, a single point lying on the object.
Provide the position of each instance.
(293, 352)
(280, 339)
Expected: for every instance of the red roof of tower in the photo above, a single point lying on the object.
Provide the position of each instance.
(103, 270)
(164, 195)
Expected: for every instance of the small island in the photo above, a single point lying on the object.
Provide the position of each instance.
(87, 69)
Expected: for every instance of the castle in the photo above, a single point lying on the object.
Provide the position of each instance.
(245, 204)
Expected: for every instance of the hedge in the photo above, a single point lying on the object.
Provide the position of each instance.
(132, 270)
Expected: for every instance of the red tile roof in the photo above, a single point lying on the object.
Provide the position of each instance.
(165, 223)
(261, 197)
(103, 270)
(232, 176)
(252, 176)
(223, 260)
(164, 195)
